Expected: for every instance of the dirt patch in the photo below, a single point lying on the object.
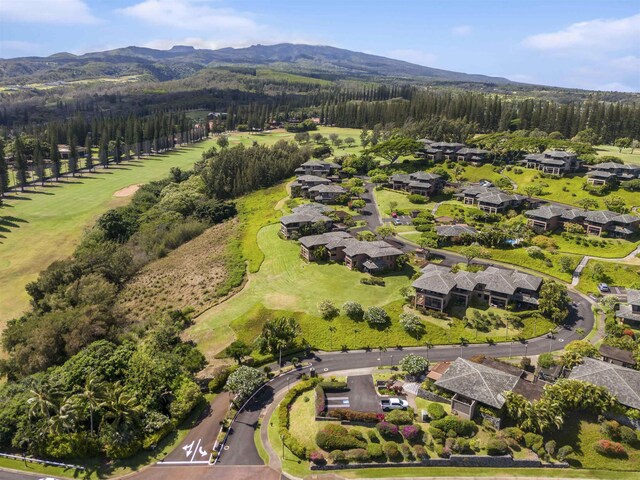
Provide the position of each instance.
(190, 276)
(127, 191)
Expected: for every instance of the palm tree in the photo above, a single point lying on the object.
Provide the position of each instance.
(43, 401)
(122, 408)
(66, 418)
(92, 396)
(278, 334)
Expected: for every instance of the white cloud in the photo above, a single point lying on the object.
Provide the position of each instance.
(47, 11)
(189, 15)
(462, 30)
(595, 35)
(414, 56)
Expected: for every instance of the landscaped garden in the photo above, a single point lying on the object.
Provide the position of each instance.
(315, 437)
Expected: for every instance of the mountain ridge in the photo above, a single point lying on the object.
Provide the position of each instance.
(181, 61)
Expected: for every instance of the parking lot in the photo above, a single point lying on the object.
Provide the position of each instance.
(361, 396)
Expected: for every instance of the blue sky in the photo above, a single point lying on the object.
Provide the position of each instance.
(592, 44)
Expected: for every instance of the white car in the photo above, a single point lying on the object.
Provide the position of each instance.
(388, 404)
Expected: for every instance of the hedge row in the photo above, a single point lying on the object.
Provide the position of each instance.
(289, 440)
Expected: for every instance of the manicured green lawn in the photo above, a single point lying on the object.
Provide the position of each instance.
(384, 198)
(594, 246)
(625, 155)
(302, 424)
(581, 435)
(45, 225)
(615, 273)
(519, 257)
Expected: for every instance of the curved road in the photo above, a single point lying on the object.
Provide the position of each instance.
(242, 449)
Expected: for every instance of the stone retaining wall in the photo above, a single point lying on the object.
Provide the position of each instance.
(434, 397)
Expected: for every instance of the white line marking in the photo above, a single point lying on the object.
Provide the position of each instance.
(195, 450)
(184, 462)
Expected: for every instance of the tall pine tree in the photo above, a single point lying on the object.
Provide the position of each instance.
(88, 159)
(38, 163)
(73, 156)
(4, 172)
(55, 159)
(21, 162)
(103, 153)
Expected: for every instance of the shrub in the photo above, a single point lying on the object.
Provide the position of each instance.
(357, 455)
(436, 411)
(411, 323)
(414, 364)
(463, 428)
(353, 310)
(219, 379)
(376, 316)
(400, 417)
(533, 440)
(336, 437)
(333, 386)
(387, 430)
(337, 456)
(627, 435)
(420, 453)
(371, 280)
(546, 360)
(355, 416)
(391, 451)
(406, 452)
(417, 199)
(497, 446)
(375, 451)
(328, 310)
(372, 436)
(564, 452)
(610, 449)
(550, 447)
(461, 445)
(514, 433)
(321, 401)
(413, 433)
(317, 458)
(611, 430)
(437, 434)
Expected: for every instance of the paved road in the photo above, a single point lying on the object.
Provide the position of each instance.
(242, 450)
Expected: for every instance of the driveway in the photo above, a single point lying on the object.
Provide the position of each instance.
(362, 394)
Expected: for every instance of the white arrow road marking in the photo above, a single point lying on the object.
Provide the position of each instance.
(188, 449)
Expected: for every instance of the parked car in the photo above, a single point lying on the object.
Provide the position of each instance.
(394, 214)
(603, 287)
(388, 404)
(397, 221)
(485, 183)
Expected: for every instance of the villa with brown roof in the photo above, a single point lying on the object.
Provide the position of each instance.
(608, 172)
(595, 222)
(623, 383)
(304, 217)
(326, 193)
(617, 356)
(300, 187)
(437, 286)
(319, 168)
(475, 384)
(490, 199)
(371, 257)
(553, 162)
(472, 155)
(421, 183)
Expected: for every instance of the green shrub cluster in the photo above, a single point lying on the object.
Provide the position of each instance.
(284, 418)
(461, 427)
(336, 437)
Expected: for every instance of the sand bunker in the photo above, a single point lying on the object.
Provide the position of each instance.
(127, 191)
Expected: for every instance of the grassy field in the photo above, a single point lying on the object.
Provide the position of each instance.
(384, 198)
(581, 435)
(625, 155)
(519, 256)
(194, 275)
(595, 246)
(45, 224)
(614, 274)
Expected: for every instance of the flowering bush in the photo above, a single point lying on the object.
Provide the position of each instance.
(413, 433)
(354, 416)
(317, 458)
(414, 364)
(387, 429)
(376, 316)
(609, 448)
